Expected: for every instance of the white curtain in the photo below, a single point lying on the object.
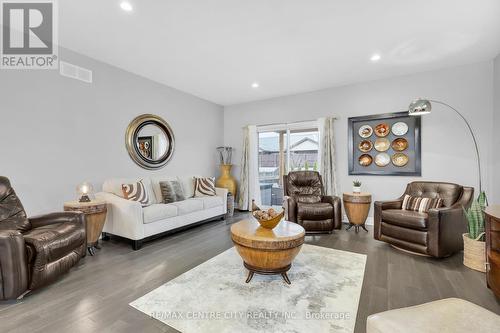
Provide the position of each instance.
(249, 187)
(326, 155)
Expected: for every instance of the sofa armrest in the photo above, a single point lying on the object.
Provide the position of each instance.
(223, 192)
(389, 204)
(124, 217)
(13, 265)
(378, 207)
(446, 226)
(58, 217)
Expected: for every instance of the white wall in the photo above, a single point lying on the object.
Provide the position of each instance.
(496, 132)
(56, 132)
(447, 149)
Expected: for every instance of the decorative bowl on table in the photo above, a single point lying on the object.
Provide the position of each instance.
(267, 218)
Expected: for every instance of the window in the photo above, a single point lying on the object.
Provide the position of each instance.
(284, 148)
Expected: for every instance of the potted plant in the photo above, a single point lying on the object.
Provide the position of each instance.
(356, 186)
(474, 243)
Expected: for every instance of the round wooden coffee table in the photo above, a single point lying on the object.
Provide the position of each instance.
(266, 251)
(357, 207)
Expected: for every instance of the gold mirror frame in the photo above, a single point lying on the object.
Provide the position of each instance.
(131, 138)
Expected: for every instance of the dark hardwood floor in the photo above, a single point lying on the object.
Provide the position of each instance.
(94, 296)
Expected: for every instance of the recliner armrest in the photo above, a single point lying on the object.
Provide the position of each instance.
(59, 217)
(330, 199)
(337, 209)
(13, 264)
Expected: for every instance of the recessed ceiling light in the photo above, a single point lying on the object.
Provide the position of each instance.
(376, 57)
(126, 6)
(255, 85)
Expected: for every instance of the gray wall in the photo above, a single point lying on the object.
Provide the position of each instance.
(496, 132)
(56, 132)
(447, 149)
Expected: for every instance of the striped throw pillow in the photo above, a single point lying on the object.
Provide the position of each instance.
(420, 204)
(204, 187)
(136, 192)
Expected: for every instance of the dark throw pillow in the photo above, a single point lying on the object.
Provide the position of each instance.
(171, 191)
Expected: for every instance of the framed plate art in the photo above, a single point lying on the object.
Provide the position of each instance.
(385, 145)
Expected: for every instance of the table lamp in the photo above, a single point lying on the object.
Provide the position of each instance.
(83, 190)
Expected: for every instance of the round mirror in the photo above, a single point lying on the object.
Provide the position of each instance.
(150, 141)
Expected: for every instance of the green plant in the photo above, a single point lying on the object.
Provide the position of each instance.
(306, 165)
(315, 166)
(356, 183)
(475, 217)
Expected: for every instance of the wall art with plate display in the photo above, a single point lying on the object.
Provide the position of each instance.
(385, 144)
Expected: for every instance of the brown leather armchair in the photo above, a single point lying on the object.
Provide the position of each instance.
(36, 251)
(306, 205)
(437, 233)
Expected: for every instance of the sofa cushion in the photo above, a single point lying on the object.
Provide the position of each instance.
(188, 206)
(158, 212)
(187, 183)
(211, 202)
(314, 211)
(52, 242)
(444, 315)
(405, 218)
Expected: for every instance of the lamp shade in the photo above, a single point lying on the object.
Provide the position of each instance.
(419, 107)
(83, 190)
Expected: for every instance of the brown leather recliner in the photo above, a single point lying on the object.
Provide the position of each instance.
(437, 233)
(36, 251)
(306, 205)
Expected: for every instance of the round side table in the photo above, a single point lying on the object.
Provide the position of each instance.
(95, 216)
(266, 251)
(357, 206)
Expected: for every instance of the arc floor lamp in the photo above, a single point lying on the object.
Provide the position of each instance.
(423, 106)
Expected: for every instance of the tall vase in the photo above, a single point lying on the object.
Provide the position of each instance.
(226, 180)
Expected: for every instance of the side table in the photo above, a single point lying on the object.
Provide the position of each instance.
(95, 215)
(357, 207)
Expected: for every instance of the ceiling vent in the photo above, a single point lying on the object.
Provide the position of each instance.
(75, 72)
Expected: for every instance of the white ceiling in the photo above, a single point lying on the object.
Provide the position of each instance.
(216, 49)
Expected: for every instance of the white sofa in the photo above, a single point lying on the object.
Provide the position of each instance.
(128, 219)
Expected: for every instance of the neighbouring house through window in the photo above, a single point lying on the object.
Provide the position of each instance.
(284, 148)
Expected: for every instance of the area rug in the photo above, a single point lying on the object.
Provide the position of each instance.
(213, 297)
